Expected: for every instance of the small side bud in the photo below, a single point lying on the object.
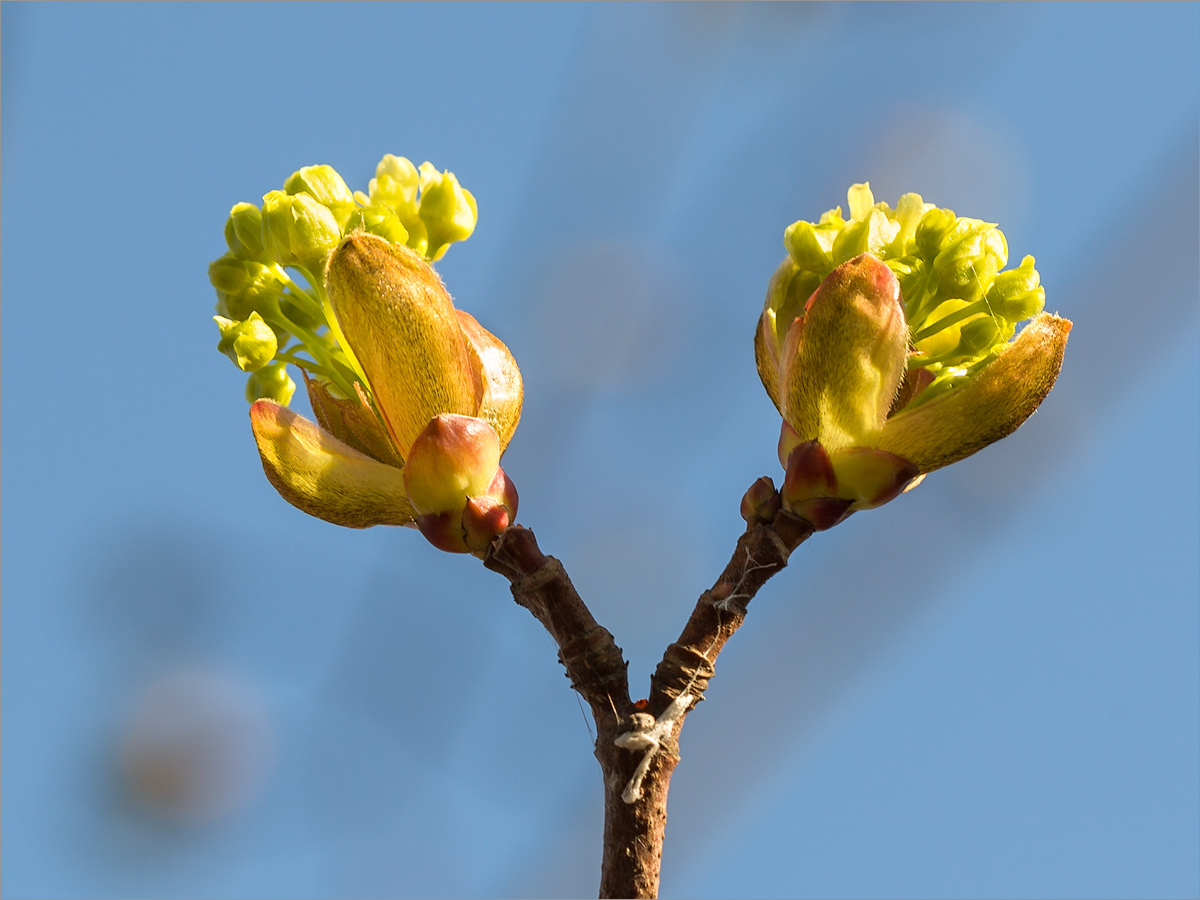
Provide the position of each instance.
(454, 481)
(483, 518)
(761, 502)
(810, 485)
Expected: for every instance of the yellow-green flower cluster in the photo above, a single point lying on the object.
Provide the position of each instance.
(272, 304)
(960, 304)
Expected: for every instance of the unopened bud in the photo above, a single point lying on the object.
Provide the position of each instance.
(251, 344)
(932, 229)
(969, 257)
(447, 209)
(395, 185)
(244, 286)
(243, 231)
(1017, 294)
(298, 230)
(326, 186)
(271, 382)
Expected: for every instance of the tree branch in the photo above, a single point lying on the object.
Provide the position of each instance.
(637, 744)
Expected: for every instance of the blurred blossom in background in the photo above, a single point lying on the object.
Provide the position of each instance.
(988, 687)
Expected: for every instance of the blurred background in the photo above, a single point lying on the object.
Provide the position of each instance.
(987, 688)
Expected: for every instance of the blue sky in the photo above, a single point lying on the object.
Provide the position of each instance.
(988, 687)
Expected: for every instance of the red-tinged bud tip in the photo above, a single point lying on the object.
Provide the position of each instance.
(483, 519)
(864, 274)
(761, 501)
(503, 491)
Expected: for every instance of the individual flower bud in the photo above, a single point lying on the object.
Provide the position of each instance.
(981, 334)
(932, 229)
(326, 186)
(970, 255)
(251, 344)
(243, 231)
(229, 274)
(271, 382)
(1017, 294)
(378, 220)
(447, 209)
(298, 230)
(944, 342)
(811, 246)
(395, 185)
(245, 286)
(861, 200)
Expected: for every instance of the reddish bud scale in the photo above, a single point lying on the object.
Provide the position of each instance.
(810, 473)
(482, 519)
(761, 501)
(821, 512)
(473, 528)
(823, 488)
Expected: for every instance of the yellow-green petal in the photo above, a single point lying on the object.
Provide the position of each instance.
(323, 477)
(986, 408)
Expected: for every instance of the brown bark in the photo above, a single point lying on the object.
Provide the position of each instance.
(633, 831)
